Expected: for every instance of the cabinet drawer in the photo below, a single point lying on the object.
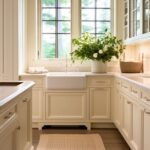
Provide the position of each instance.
(117, 83)
(135, 91)
(98, 82)
(7, 116)
(145, 97)
(125, 86)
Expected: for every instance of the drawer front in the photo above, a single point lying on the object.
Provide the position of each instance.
(117, 84)
(135, 91)
(39, 82)
(7, 116)
(98, 82)
(125, 87)
(145, 97)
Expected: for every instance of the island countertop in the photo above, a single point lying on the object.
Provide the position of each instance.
(10, 90)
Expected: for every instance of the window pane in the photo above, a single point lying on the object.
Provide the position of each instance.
(103, 14)
(64, 27)
(48, 3)
(48, 27)
(88, 14)
(64, 45)
(64, 14)
(48, 46)
(102, 26)
(64, 3)
(48, 14)
(88, 3)
(88, 27)
(103, 3)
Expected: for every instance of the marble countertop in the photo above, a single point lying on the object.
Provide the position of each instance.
(136, 78)
(10, 90)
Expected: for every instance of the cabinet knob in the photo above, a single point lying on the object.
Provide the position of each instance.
(128, 102)
(8, 115)
(25, 100)
(146, 111)
(146, 99)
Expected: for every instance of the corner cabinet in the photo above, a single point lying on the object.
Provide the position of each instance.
(11, 37)
(99, 98)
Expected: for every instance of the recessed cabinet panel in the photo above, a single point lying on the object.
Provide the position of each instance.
(127, 117)
(137, 127)
(37, 104)
(64, 106)
(99, 103)
(1, 38)
(146, 130)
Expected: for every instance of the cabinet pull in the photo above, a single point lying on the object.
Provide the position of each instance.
(128, 102)
(18, 128)
(9, 115)
(124, 86)
(25, 100)
(100, 82)
(146, 99)
(135, 92)
(146, 111)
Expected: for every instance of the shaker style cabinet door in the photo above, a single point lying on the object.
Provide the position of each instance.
(99, 103)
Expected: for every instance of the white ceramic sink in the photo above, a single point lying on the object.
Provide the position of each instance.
(65, 80)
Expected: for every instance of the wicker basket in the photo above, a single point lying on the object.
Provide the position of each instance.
(131, 67)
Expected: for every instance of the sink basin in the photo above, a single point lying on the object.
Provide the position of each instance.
(65, 80)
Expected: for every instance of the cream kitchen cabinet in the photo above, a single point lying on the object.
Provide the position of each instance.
(24, 131)
(137, 127)
(67, 107)
(38, 98)
(99, 97)
(118, 105)
(15, 118)
(99, 104)
(8, 128)
(146, 129)
(127, 117)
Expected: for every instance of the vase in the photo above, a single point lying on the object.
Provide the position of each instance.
(98, 66)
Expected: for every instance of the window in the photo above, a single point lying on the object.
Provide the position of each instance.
(55, 28)
(56, 20)
(95, 16)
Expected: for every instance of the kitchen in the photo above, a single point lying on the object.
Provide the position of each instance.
(69, 97)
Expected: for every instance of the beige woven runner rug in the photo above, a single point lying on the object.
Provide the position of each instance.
(70, 142)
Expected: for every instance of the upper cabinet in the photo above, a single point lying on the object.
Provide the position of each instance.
(11, 37)
(136, 20)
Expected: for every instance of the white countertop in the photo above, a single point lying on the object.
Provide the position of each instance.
(135, 78)
(9, 92)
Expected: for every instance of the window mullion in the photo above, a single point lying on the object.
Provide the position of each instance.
(56, 33)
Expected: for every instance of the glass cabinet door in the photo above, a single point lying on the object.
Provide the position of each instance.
(146, 16)
(135, 17)
(126, 19)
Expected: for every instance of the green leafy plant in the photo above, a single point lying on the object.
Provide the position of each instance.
(102, 49)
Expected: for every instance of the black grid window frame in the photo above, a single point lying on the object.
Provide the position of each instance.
(56, 20)
(95, 20)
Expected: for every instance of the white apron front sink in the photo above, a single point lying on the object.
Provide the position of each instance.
(65, 80)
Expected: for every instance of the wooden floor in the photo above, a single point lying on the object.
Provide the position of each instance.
(111, 137)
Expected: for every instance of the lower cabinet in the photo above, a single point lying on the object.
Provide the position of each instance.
(37, 104)
(137, 127)
(24, 131)
(146, 129)
(66, 106)
(127, 117)
(99, 104)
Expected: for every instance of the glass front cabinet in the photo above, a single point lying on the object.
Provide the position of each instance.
(136, 19)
